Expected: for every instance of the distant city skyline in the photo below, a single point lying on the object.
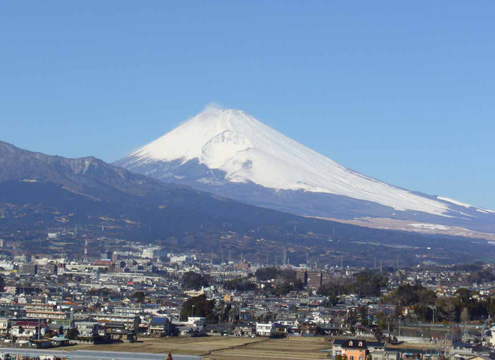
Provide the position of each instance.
(399, 91)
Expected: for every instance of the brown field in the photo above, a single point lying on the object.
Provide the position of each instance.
(276, 349)
(224, 348)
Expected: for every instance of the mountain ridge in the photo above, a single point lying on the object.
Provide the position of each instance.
(223, 150)
(41, 193)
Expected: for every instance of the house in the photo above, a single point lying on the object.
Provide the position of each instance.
(24, 329)
(196, 320)
(218, 329)
(131, 321)
(309, 328)
(280, 330)
(160, 326)
(413, 353)
(190, 330)
(244, 330)
(4, 326)
(87, 329)
(60, 341)
(265, 329)
(353, 349)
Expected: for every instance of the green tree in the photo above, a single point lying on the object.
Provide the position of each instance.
(410, 295)
(239, 284)
(194, 281)
(332, 291)
(139, 296)
(267, 273)
(72, 334)
(199, 306)
(367, 283)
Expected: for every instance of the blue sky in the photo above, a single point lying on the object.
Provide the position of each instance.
(401, 91)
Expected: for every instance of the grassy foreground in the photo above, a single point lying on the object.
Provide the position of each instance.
(224, 348)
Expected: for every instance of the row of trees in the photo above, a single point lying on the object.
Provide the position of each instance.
(368, 283)
(464, 306)
(284, 280)
(200, 306)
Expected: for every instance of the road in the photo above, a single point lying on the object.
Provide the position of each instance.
(93, 354)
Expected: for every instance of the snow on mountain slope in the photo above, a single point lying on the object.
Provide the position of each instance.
(249, 151)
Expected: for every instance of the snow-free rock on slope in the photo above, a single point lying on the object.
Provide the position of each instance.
(231, 153)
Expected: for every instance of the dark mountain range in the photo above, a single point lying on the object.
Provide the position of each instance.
(41, 193)
(89, 188)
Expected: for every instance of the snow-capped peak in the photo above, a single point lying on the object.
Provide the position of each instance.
(249, 151)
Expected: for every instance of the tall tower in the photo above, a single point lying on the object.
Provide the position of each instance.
(285, 257)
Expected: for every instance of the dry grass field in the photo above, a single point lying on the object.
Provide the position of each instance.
(224, 348)
(276, 349)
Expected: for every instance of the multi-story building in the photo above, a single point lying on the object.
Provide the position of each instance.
(265, 329)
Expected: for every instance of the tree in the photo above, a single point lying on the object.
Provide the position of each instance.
(239, 284)
(194, 281)
(199, 306)
(285, 286)
(226, 313)
(378, 334)
(267, 273)
(368, 283)
(332, 291)
(72, 334)
(139, 296)
(411, 295)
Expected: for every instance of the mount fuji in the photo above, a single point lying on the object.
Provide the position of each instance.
(230, 153)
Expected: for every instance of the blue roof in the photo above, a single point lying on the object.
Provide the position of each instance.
(159, 321)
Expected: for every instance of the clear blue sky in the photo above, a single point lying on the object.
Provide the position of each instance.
(401, 91)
